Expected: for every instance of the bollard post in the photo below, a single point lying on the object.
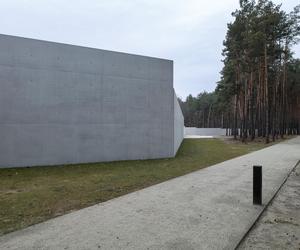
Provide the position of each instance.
(257, 185)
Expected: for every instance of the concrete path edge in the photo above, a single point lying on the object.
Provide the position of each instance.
(264, 207)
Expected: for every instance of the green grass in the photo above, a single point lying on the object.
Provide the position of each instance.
(32, 195)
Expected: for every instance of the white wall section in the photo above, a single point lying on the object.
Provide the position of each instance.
(64, 104)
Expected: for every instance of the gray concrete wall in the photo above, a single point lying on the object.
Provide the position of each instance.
(178, 125)
(67, 104)
(204, 131)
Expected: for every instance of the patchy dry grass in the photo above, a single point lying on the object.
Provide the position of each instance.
(32, 195)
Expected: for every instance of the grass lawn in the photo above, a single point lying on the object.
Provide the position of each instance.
(32, 195)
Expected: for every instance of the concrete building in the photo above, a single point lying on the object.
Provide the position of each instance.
(214, 132)
(63, 104)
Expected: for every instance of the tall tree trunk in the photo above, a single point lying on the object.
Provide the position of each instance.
(252, 126)
(266, 96)
(284, 106)
(208, 116)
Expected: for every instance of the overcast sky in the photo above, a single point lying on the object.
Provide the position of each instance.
(189, 32)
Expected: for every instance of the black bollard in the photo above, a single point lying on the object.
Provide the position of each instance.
(257, 185)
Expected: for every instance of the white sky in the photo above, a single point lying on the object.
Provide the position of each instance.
(190, 32)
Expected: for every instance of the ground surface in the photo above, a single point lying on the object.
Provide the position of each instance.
(207, 209)
(279, 226)
(32, 195)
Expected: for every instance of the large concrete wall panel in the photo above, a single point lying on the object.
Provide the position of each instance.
(178, 125)
(67, 104)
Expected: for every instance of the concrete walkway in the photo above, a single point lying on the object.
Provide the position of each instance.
(208, 209)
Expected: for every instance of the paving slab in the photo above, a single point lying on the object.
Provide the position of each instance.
(207, 209)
